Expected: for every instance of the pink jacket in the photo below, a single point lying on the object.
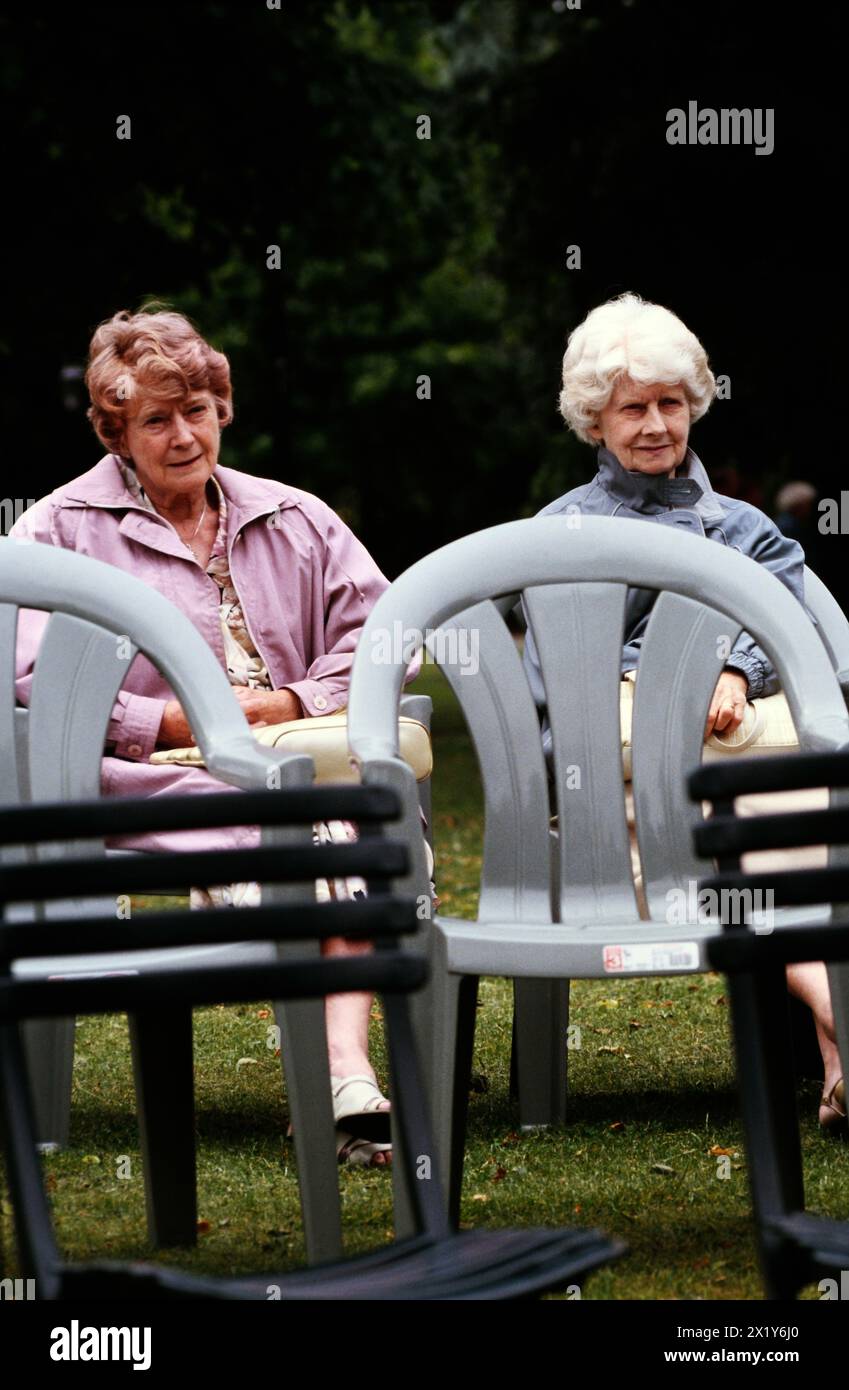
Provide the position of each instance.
(305, 582)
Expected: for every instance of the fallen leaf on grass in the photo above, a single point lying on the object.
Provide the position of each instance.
(617, 1125)
(479, 1197)
(720, 999)
(263, 1013)
(246, 1062)
(499, 1175)
(716, 1149)
(91, 1158)
(662, 1168)
(632, 1023)
(617, 1051)
(203, 1227)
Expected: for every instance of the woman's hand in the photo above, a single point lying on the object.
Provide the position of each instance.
(261, 707)
(728, 705)
(174, 731)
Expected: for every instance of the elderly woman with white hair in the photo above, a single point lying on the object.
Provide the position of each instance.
(635, 379)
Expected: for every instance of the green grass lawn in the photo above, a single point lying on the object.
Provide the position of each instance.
(652, 1098)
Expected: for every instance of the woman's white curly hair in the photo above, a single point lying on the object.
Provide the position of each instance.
(630, 336)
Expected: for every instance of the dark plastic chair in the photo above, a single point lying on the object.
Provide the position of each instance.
(434, 1263)
(796, 1247)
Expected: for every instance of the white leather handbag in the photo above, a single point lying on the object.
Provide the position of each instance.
(325, 739)
(767, 729)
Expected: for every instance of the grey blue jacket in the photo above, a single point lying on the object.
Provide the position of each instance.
(687, 501)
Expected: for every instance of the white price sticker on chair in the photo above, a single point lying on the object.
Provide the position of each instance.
(649, 956)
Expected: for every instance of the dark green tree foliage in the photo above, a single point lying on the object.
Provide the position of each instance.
(407, 258)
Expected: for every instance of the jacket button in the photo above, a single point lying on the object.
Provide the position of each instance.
(320, 702)
(134, 750)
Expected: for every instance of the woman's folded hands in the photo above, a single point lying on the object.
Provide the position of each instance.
(260, 707)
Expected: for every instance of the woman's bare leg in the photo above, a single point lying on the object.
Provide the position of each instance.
(347, 1018)
(809, 982)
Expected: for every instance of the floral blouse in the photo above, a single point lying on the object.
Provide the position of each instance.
(244, 664)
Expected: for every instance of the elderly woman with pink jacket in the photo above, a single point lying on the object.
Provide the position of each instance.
(273, 579)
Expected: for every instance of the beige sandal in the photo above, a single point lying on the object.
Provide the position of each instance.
(835, 1101)
(357, 1152)
(356, 1102)
(360, 1152)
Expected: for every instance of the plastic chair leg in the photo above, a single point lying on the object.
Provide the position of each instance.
(163, 1069)
(541, 1021)
(303, 1038)
(49, 1043)
(454, 1002)
(49, 1048)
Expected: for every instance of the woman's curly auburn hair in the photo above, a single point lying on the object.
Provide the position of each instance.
(156, 351)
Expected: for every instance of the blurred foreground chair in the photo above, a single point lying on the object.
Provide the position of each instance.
(552, 909)
(99, 619)
(435, 1263)
(796, 1247)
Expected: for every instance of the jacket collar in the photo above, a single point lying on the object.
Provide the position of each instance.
(640, 492)
(249, 497)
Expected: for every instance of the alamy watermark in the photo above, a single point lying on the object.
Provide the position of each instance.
(17, 1290)
(79, 1342)
(447, 646)
(725, 907)
(833, 519)
(727, 126)
(10, 509)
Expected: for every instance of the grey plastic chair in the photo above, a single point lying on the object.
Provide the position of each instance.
(566, 908)
(833, 626)
(541, 1009)
(52, 752)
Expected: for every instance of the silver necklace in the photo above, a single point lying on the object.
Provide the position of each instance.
(191, 540)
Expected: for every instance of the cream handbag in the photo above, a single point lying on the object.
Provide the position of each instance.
(325, 739)
(767, 729)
